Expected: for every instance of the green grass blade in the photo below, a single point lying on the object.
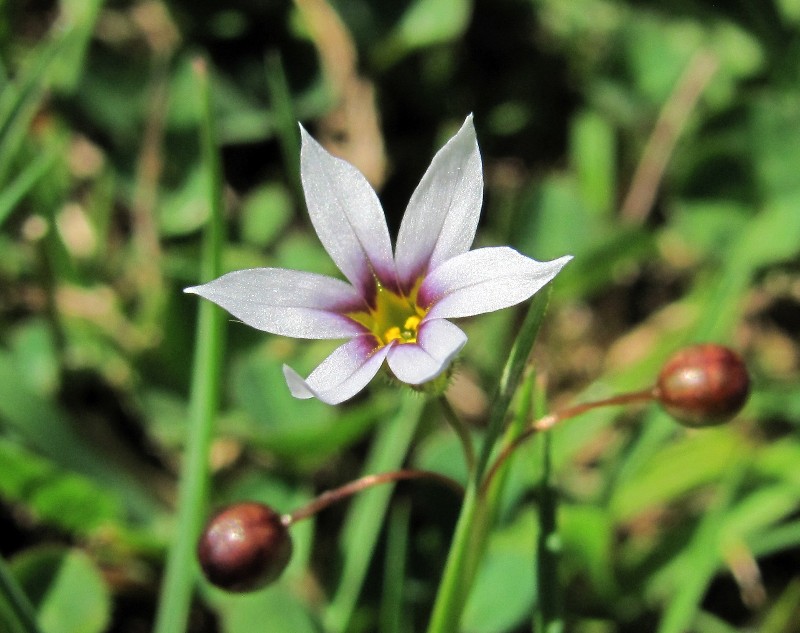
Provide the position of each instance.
(367, 512)
(58, 63)
(21, 99)
(78, 19)
(701, 558)
(180, 574)
(285, 120)
(785, 613)
(785, 536)
(52, 432)
(14, 192)
(23, 613)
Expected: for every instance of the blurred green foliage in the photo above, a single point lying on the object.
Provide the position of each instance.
(658, 142)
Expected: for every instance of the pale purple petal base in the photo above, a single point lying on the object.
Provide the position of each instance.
(438, 342)
(484, 280)
(343, 374)
(287, 302)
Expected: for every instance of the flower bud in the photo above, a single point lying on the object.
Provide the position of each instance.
(244, 547)
(703, 385)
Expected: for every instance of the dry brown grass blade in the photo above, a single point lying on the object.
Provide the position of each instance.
(161, 35)
(352, 129)
(744, 568)
(668, 128)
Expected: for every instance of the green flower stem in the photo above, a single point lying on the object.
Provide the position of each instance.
(180, 574)
(469, 538)
(478, 510)
(461, 431)
(15, 597)
(392, 618)
(366, 515)
(511, 376)
(496, 474)
(548, 614)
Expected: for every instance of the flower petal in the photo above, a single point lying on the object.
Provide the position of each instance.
(347, 216)
(442, 215)
(343, 374)
(287, 302)
(484, 280)
(438, 341)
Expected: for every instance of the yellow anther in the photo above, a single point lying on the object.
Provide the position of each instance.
(392, 334)
(411, 323)
(393, 317)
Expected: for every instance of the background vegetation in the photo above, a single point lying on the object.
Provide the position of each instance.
(658, 142)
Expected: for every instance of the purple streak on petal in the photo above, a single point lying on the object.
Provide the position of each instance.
(484, 280)
(347, 216)
(442, 215)
(343, 374)
(438, 342)
(287, 302)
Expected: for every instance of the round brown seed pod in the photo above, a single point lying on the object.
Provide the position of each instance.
(244, 547)
(703, 385)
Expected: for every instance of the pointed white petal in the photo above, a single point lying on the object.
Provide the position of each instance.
(442, 216)
(287, 302)
(438, 342)
(347, 216)
(342, 375)
(484, 280)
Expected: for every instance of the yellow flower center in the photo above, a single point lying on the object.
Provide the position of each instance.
(395, 317)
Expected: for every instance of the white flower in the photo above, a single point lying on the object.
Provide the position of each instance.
(394, 307)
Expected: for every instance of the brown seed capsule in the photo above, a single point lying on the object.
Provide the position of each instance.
(244, 547)
(703, 385)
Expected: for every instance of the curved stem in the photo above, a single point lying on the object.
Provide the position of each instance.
(333, 496)
(551, 419)
(461, 431)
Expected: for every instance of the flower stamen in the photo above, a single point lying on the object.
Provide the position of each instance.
(393, 334)
(408, 334)
(395, 317)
